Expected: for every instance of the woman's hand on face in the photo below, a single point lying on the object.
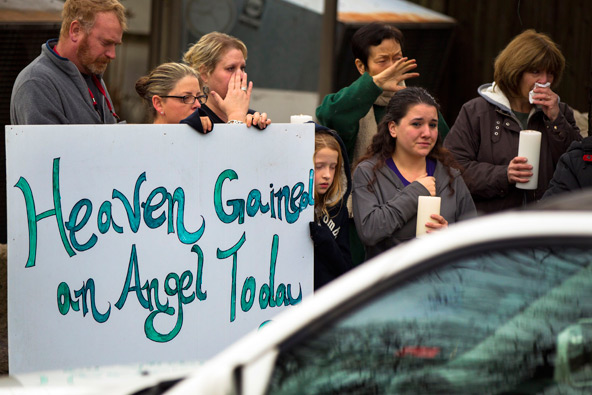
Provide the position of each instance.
(519, 170)
(429, 183)
(257, 119)
(440, 224)
(548, 100)
(236, 103)
(390, 78)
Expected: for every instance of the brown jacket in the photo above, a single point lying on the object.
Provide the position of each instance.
(484, 139)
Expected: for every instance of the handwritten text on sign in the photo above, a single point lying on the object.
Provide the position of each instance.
(208, 203)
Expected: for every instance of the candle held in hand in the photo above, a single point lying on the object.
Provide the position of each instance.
(426, 206)
(529, 147)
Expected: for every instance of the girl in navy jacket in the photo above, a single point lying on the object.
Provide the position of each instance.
(329, 231)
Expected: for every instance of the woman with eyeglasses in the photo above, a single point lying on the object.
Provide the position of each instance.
(220, 60)
(172, 92)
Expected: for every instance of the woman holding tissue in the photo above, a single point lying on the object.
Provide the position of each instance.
(406, 160)
(220, 60)
(484, 138)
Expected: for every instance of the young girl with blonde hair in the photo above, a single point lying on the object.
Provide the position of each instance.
(329, 231)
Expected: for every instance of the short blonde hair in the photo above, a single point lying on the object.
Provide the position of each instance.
(85, 12)
(205, 54)
(161, 81)
(528, 51)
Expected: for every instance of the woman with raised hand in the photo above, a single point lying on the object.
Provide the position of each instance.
(220, 60)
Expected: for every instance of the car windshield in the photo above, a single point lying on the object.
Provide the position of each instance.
(483, 321)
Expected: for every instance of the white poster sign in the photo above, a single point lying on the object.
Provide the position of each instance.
(147, 243)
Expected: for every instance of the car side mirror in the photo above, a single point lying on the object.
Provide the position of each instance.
(573, 364)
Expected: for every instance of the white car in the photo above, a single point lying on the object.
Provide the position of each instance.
(497, 304)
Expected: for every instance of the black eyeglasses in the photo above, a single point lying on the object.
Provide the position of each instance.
(190, 99)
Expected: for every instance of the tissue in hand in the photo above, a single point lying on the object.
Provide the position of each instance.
(531, 93)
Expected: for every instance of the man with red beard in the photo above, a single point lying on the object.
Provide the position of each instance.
(64, 84)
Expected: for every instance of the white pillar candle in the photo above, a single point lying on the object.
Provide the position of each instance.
(529, 146)
(426, 206)
(300, 118)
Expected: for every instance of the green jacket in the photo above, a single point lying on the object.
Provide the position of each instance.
(343, 110)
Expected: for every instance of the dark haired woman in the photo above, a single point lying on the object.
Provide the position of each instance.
(406, 160)
(354, 111)
(484, 138)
